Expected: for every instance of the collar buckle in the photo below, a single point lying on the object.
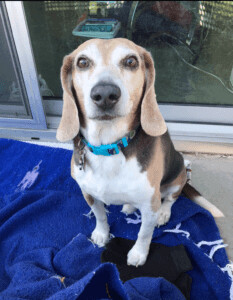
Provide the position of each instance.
(106, 150)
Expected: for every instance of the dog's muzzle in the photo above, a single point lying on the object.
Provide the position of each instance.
(105, 95)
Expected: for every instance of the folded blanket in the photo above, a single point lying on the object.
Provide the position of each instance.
(170, 263)
(45, 229)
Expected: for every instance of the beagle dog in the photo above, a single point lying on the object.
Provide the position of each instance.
(123, 153)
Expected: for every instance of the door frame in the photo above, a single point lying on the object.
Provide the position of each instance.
(20, 35)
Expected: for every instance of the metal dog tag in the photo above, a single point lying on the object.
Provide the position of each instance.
(81, 155)
(81, 160)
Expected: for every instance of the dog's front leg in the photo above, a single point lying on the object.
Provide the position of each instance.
(100, 235)
(138, 254)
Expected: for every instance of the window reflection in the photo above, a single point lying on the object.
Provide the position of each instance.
(191, 42)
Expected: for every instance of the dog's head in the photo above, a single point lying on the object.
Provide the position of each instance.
(107, 79)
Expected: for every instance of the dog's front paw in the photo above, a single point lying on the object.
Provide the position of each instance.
(136, 257)
(128, 209)
(164, 214)
(100, 238)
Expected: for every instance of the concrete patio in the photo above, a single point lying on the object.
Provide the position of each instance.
(212, 175)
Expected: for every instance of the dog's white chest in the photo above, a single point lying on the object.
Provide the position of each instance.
(114, 180)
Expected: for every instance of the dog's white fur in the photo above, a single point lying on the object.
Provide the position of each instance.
(115, 180)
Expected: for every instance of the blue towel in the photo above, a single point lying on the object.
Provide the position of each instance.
(45, 229)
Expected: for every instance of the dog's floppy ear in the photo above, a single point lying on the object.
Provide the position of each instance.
(69, 124)
(151, 119)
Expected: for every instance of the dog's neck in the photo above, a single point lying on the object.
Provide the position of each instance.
(106, 132)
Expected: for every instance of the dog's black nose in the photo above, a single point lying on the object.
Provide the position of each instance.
(105, 95)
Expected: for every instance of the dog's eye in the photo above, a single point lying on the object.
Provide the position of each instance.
(83, 63)
(131, 62)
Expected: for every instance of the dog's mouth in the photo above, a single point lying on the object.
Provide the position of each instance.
(105, 116)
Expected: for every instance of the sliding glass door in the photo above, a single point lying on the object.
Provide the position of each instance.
(191, 43)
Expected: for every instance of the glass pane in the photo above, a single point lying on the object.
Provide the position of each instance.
(13, 99)
(191, 42)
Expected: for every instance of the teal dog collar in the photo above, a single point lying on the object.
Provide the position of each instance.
(111, 149)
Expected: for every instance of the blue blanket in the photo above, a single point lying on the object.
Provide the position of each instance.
(45, 229)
